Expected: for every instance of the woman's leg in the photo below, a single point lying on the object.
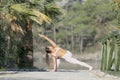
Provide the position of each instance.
(75, 61)
(72, 60)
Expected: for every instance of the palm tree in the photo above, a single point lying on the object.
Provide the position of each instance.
(28, 16)
(20, 16)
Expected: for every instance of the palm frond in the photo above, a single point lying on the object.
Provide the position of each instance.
(53, 9)
(20, 29)
(10, 17)
(35, 15)
(2, 16)
(13, 26)
(16, 27)
(36, 19)
(116, 1)
(39, 2)
(41, 16)
(21, 8)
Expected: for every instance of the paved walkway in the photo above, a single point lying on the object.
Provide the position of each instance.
(61, 75)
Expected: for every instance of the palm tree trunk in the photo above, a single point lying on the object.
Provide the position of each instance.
(7, 52)
(26, 57)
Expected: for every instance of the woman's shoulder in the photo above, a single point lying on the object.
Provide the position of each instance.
(60, 48)
(56, 47)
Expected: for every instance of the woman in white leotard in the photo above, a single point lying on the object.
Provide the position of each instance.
(58, 53)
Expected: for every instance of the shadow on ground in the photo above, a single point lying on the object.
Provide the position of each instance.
(16, 71)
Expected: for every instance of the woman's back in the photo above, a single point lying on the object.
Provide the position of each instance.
(59, 52)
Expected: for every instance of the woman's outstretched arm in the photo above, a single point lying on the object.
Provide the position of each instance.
(49, 40)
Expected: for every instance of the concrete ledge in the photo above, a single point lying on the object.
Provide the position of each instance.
(61, 75)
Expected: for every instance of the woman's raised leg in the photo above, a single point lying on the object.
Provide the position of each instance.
(72, 60)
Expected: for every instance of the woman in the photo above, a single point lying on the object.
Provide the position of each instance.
(58, 53)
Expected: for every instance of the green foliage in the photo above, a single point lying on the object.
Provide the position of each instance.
(112, 56)
(20, 15)
(82, 22)
(35, 15)
(116, 8)
(92, 19)
(111, 52)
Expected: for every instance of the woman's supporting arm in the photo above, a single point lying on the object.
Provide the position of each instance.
(54, 64)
